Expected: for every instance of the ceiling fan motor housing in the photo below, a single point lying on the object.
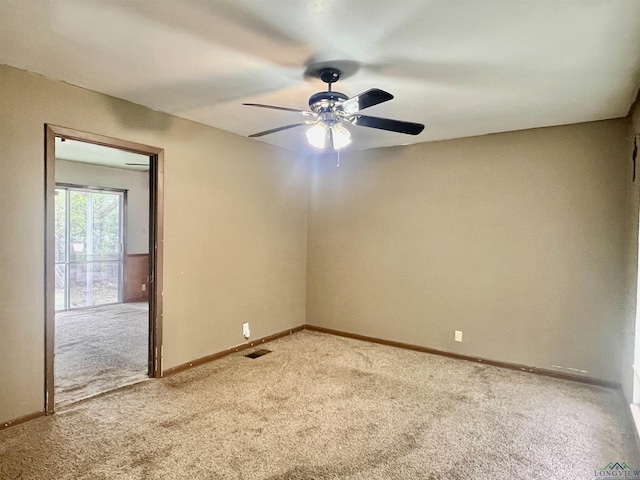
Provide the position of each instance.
(323, 104)
(324, 100)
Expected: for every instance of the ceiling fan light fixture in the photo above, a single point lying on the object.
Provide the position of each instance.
(333, 110)
(317, 135)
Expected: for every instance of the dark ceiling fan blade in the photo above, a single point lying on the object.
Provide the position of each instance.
(399, 126)
(273, 107)
(365, 100)
(278, 129)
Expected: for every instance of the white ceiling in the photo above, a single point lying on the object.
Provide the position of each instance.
(460, 67)
(83, 152)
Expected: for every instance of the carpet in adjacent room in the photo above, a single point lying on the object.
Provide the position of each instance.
(99, 349)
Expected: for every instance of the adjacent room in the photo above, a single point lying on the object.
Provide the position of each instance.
(318, 240)
(101, 269)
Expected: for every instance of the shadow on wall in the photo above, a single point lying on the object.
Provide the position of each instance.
(135, 117)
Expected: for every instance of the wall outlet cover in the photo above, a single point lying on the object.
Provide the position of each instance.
(458, 336)
(245, 330)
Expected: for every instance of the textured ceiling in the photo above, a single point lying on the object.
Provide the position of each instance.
(462, 68)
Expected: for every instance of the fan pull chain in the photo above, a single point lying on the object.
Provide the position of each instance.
(338, 165)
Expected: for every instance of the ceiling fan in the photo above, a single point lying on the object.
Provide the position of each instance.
(330, 111)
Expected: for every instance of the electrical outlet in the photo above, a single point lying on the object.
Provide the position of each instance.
(245, 330)
(144, 287)
(458, 335)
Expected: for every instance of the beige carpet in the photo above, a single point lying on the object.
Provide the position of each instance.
(325, 407)
(99, 349)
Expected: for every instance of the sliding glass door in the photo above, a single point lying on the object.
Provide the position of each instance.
(88, 247)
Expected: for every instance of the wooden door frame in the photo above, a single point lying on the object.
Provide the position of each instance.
(156, 235)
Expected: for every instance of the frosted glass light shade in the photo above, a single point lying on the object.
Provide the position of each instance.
(341, 136)
(317, 135)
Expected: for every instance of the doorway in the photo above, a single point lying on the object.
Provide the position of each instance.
(87, 266)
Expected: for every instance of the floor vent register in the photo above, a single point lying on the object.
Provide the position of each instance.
(258, 353)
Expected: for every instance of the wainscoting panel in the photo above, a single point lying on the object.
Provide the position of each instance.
(136, 273)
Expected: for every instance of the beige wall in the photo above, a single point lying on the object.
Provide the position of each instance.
(135, 183)
(517, 239)
(235, 229)
(631, 341)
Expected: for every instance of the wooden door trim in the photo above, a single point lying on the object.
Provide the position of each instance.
(156, 236)
(49, 268)
(156, 256)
